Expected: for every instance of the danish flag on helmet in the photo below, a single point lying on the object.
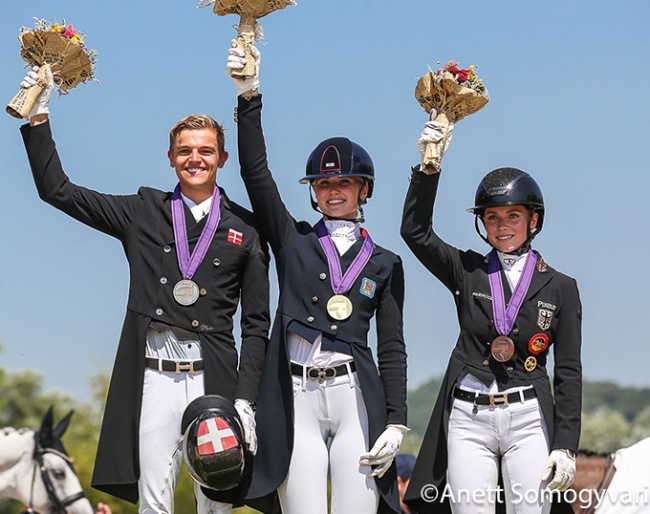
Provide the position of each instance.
(213, 443)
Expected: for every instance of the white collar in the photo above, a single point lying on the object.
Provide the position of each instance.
(511, 262)
(343, 233)
(199, 211)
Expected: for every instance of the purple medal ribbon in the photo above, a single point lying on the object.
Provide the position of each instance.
(504, 319)
(187, 263)
(342, 283)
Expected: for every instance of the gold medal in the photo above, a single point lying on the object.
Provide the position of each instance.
(530, 364)
(186, 292)
(502, 348)
(339, 307)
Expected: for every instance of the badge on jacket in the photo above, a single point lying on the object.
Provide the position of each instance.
(368, 287)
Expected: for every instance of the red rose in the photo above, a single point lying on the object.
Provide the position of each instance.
(462, 75)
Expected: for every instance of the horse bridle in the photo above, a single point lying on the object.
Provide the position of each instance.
(58, 506)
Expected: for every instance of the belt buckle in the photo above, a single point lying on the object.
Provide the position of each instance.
(498, 399)
(321, 374)
(184, 366)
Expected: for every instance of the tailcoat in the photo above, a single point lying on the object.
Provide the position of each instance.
(304, 289)
(143, 224)
(551, 307)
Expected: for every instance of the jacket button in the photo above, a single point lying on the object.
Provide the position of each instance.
(314, 299)
(515, 331)
(334, 327)
(510, 369)
(310, 319)
(195, 323)
(457, 293)
(159, 311)
(323, 276)
(167, 248)
(163, 280)
(216, 262)
(486, 362)
(203, 291)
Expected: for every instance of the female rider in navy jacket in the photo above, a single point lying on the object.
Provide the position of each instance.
(324, 402)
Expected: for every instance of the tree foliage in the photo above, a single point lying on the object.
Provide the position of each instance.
(613, 417)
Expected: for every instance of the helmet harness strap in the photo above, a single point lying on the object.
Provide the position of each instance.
(519, 251)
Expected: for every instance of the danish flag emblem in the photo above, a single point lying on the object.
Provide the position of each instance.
(235, 237)
(214, 436)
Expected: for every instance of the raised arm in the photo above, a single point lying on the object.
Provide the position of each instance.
(272, 216)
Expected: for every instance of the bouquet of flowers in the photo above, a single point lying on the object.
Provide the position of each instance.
(60, 48)
(449, 95)
(248, 30)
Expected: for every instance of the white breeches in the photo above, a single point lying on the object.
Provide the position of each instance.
(164, 398)
(330, 434)
(515, 435)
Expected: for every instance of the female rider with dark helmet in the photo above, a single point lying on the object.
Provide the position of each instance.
(326, 406)
(496, 417)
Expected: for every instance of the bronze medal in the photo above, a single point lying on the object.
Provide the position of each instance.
(530, 364)
(339, 307)
(186, 292)
(502, 348)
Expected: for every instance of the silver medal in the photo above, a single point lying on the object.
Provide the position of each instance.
(186, 292)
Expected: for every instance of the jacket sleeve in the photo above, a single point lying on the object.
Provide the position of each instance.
(444, 261)
(271, 215)
(107, 213)
(255, 319)
(391, 350)
(567, 377)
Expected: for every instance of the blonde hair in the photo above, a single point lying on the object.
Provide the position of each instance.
(198, 122)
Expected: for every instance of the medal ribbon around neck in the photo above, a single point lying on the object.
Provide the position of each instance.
(342, 283)
(188, 264)
(504, 318)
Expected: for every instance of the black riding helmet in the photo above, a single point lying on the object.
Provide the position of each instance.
(339, 157)
(509, 186)
(213, 443)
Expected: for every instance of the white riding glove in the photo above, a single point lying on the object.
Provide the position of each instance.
(384, 450)
(434, 132)
(236, 62)
(247, 416)
(562, 465)
(41, 106)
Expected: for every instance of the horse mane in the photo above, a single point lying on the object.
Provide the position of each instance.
(11, 430)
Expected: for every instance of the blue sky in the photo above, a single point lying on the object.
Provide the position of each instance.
(569, 104)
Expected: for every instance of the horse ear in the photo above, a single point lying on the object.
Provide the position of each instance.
(45, 432)
(62, 425)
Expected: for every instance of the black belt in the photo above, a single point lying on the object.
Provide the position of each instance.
(175, 366)
(322, 373)
(494, 400)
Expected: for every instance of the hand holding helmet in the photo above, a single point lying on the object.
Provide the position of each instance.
(437, 134)
(247, 416)
(383, 452)
(236, 62)
(213, 443)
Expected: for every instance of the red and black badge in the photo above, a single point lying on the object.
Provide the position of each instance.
(538, 343)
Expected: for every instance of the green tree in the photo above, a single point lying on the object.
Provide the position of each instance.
(604, 430)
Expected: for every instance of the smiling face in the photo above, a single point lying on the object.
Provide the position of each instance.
(195, 156)
(507, 226)
(338, 197)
